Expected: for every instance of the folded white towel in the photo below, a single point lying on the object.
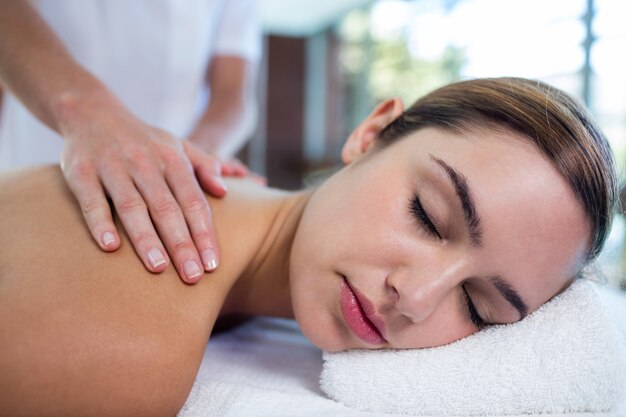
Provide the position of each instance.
(565, 357)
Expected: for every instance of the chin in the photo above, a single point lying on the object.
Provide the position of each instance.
(322, 331)
(325, 343)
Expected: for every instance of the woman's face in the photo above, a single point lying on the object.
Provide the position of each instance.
(390, 249)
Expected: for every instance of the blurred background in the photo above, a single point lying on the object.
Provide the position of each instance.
(328, 62)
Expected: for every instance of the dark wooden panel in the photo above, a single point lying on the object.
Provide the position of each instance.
(285, 111)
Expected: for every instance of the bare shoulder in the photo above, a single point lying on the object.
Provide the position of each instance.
(77, 323)
(34, 203)
(21, 181)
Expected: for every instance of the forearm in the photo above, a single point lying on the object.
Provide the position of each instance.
(229, 118)
(37, 68)
(225, 126)
(108, 152)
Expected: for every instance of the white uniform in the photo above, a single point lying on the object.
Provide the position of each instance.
(152, 54)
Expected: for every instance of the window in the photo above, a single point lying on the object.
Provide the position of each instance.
(407, 48)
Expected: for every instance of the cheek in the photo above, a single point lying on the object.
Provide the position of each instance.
(315, 297)
(437, 334)
(359, 224)
(314, 285)
(351, 217)
(342, 229)
(447, 322)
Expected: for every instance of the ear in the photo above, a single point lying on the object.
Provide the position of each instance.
(363, 138)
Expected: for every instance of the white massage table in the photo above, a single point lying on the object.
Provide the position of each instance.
(267, 368)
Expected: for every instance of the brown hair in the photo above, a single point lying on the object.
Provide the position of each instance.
(559, 126)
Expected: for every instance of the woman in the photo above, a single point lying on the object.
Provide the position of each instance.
(477, 205)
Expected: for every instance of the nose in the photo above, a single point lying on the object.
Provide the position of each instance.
(417, 292)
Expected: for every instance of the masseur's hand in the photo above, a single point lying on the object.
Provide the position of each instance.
(235, 168)
(149, 177)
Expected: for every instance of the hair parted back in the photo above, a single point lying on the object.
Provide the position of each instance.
(557, 124)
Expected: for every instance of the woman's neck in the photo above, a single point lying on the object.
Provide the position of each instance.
(265, 232)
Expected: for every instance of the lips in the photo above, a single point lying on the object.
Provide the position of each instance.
(360, 316)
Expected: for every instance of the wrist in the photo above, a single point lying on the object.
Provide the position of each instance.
(83, 103)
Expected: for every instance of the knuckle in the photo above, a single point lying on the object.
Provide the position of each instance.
(138, 158)
(143, 239)
(170, 155)
(195, 204)
(203, 236)
(129, 205)
(81, 169)
(92, 207)
(182, 245)
(165, 207)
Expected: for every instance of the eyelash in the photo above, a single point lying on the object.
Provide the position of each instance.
(419, 213)
(472, 310)
(416, 208)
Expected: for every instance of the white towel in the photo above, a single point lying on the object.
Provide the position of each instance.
(265, 368)
(566, 357)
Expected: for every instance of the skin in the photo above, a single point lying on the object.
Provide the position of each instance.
(147, 173)
(77, 334)
(82, 330)
(534, 236)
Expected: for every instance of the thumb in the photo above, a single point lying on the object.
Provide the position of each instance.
(208, 170)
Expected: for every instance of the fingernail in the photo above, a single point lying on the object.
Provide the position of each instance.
(191, 268)
(221, 183)
(156, 258)
(108, 238)
(210, 259)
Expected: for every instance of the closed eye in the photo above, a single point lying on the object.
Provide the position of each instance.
(416, 208)
(473, 313)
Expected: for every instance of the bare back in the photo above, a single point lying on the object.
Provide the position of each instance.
(99, 329)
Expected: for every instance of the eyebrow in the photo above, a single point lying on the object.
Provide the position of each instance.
(467, 202)
(511, 295)
(472, 220)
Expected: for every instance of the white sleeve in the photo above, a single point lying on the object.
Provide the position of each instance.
(240, 30)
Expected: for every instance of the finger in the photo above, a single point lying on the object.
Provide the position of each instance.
(259, 179)
(135, 218)
(234, 168)
(208, 170)
(197, 214)
(227, 170)
(84, 184)
(167, 215)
